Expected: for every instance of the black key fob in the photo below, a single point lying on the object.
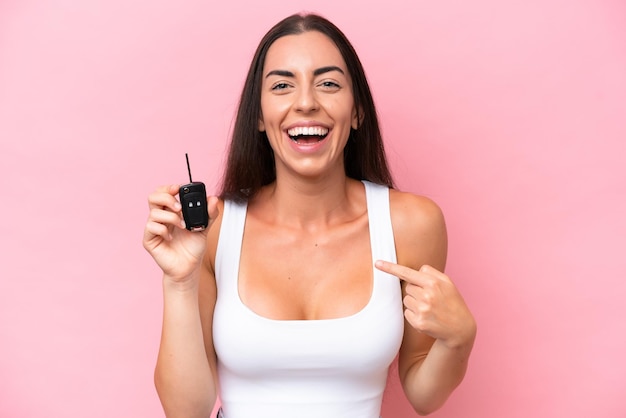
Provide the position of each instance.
(194, 202)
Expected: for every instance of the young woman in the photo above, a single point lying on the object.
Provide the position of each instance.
(314, 273)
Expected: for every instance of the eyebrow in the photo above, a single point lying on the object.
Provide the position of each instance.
(319, 71)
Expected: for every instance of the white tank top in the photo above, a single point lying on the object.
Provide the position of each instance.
(330, 368)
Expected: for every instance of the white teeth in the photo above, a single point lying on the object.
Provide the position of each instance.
(307, 130)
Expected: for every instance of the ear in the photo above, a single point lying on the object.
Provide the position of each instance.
(357, 118)
(261, 125)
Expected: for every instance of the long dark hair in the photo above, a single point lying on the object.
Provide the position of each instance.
(250, 164)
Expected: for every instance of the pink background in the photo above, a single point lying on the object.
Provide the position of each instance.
(511, 115)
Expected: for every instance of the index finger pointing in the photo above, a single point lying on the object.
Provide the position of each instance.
(426, 269)
(402, 272)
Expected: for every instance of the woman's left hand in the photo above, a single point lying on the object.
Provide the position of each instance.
(433, 305)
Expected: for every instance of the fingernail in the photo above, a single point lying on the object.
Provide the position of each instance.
(177, 206)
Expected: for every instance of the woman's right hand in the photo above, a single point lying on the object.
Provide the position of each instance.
(177, 251)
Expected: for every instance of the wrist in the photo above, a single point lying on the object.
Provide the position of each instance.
(463, 341)
(183, 285)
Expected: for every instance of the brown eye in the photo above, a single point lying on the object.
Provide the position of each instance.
(280, 86)
(329, 85)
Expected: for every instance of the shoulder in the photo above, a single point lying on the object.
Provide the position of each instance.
(419, 229)
(415, 214)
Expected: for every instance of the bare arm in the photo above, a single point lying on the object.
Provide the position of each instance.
(439, 328)
(183, 375)
(185, 370)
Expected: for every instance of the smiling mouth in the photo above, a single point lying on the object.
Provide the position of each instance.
(305, 135)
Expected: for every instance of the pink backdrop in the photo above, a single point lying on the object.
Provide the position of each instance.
(511, 116)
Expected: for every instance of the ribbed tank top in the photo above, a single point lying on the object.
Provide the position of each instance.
(330, 368)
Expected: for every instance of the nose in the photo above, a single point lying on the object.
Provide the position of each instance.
(306, 100)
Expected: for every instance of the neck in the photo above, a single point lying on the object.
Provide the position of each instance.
(309, 203)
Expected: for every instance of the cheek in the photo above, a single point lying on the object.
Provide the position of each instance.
(344, 107)
(273, 111)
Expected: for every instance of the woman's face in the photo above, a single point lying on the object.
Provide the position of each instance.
(307, 105)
